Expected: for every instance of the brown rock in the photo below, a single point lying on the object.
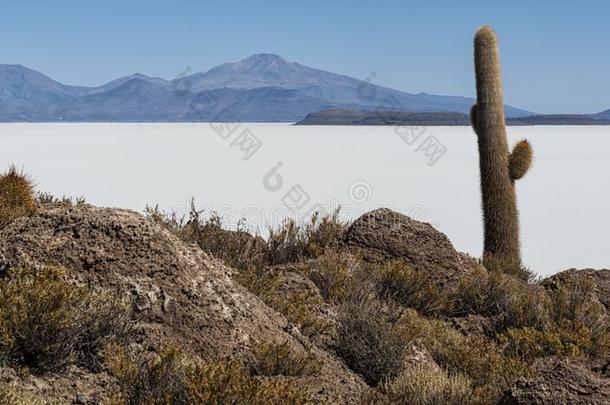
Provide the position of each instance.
(560, 381)
(179, 293)
(387, 235)
(599, 279)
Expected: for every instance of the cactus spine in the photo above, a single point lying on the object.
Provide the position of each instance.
(499, 170)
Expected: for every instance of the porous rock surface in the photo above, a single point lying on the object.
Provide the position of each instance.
(384, 234)
(560, 381)
(179, 293)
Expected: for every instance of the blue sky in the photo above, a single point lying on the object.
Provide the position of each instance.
(556, 54)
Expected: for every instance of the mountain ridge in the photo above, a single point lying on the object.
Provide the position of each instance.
(28, 95)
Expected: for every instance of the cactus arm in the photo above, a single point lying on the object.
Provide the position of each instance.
(520, 160)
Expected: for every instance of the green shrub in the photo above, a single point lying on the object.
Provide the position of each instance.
(16, 196)
(283, 359)
(426, 385)
(47, 323)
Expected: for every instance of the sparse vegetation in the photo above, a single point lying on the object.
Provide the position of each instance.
(237, 248)
(426, 385)
(47, 323)
(299, 307)
(173, 378)
(399, 282)
(293, 242)
(16, 196)
(368, 341)
(283, 359)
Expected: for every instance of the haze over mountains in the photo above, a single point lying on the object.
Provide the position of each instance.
(260, 88)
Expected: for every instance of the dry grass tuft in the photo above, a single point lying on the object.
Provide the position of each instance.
(368, 342)
(426, 385)
(292, 242)
(399, 282)
(47, 323)
(238, 249)
(171, 378)
(283, 359)
(299, 307)
(16, 196)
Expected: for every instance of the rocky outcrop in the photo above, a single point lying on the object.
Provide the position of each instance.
(560, 381)
(597, 280)
(384, 234)
(179, 293)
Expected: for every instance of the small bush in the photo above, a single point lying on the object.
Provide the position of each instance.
(48, 198)
(475, 357)
(16, 196)
(238, 249)
(299, 307)
(530, 343)
(227, 382)
(367, 341)
(47, 323)
(504, 266)
(397, 281)
(333, 273)
(282, 359)
(145, 379)
(171, 379)
(511, 303)
(11, 396)
(292, 242)
(426, 385)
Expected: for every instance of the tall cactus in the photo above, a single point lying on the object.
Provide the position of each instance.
(499, 170)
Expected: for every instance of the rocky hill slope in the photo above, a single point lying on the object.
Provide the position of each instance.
(388, 309)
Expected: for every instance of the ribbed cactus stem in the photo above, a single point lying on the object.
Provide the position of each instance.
(520, 160)
(497, 186)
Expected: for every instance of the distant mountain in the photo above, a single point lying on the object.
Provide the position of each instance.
(263, 87)
(349, 117)
(603, 115)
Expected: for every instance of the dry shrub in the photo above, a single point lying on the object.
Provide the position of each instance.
(368, 342)
(299, 307)
(424, 384)
(171, 378)
(333, 274)
(146, 379)
(48, 198)
(238, 249)
(12, 396)
(508, 267)
(511, 303)
(47, 323)
(283, 359)
(16, 196)
(530, 343)
(293, 242)
(475, 357)
(531, 321)
(227, 382)
(399, 282)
